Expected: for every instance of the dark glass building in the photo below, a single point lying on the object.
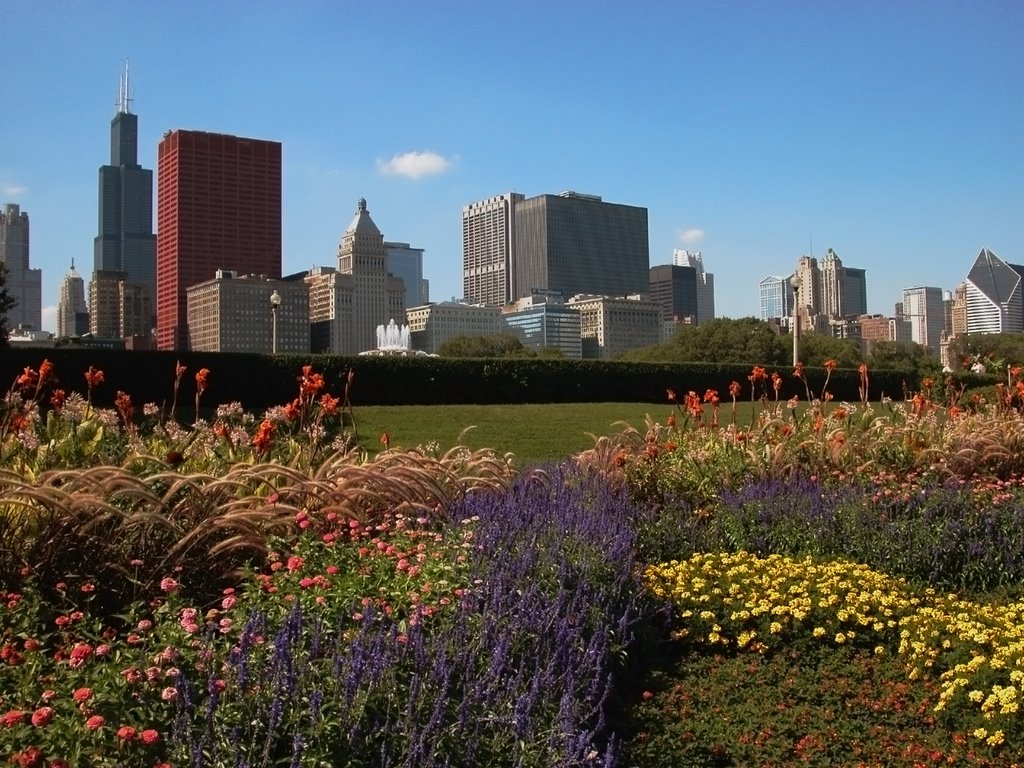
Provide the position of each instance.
(568, 243)
(126, 242)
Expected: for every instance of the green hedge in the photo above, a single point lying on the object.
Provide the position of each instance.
(258, 381)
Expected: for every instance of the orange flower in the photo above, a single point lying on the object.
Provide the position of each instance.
(93, 377)
(711, 396)
(123, 402)
(202, 377)
(45, 373)
(28, 379)
(329, 404)
(776, 381)
(671, 393)
(798, 370)
(385, 439)
(671, 420)
(293, 410)
(735, 389)
(758, 374)
(57, 399)
(261, 440)
(830, 365)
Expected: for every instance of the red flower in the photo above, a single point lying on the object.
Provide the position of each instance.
(27, 380)
(329, 404)
(261, 440)
(830, 365)
(42, 716)
(12, 718)
(82, 694)
(150, 737)
(127, 733)
(57, 399)
(385, 439)
(95, 722)
(671, 393)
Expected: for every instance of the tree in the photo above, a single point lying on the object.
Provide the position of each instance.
(722, 340)
(901, 356)
(7, 303)
(495, 345)
(816, 348)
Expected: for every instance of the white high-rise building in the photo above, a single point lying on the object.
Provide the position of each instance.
(995, 295)
(924, 309)
(705, 282)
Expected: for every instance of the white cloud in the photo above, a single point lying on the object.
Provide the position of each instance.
(13, 190)
(49, 319)
(415, 164)
(691, 236)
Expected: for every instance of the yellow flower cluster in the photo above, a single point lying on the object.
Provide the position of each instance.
(752, 602)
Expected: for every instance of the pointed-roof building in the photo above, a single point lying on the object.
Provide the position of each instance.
(72, 311)
(995, 295)
(347, 305)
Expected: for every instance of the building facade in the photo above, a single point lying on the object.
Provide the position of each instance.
(218, 207)
(543, 321)
(994, 295)
(610, 326)
(923, 307)
(488, 247)
(776, 297)
(570, 243)
(24, 284)
(72, 310)
(406, 262)
(233, 313)
(125, 243)
(431, 325)
(377, 297)
(685, 292)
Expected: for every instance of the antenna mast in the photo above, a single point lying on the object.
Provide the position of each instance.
(124, 93)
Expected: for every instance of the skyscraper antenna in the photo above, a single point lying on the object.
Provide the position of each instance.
(124, 93)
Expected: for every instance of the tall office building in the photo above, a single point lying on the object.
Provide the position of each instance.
(703, 282)
(72, 311)
(830, 289)
(24, 284)
(924, 308)
(125, 243)
(995, 295)
(406, 262)
(218, 207)
(488, 245)
(570, 243)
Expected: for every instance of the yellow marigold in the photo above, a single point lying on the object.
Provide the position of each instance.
(819, 632)
(995, 739)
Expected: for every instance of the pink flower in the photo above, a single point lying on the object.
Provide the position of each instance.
(150, 737)
(331, 570)
(228, 602)
(94, 722)
(144, 625)
(127, 733)
(169, 584)
(169, 694)
(59, 763)
(42, 716)
(82, 694)
(295, 563)
(102, 650)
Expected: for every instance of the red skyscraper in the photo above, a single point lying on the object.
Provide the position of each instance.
(218, 207)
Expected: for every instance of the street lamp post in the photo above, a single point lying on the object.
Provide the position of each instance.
(796, 320)
(275, 303)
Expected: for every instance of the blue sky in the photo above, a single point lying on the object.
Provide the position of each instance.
(892, 132)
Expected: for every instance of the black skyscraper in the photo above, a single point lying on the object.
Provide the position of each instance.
(125, 242)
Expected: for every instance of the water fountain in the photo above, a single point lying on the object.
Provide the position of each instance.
(393, 339)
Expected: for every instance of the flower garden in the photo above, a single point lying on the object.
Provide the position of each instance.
(819, 583)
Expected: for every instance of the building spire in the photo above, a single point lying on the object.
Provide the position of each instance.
(124, 92)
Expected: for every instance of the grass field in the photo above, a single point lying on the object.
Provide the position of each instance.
(532, 432)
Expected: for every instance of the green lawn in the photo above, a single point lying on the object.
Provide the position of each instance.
(531, 432)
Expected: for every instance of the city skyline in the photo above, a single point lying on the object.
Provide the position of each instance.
(754, 134)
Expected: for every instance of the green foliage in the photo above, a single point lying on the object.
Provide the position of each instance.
(722, 340)
(7, 303)
(816, 348)
(903, 356)
(493, 345)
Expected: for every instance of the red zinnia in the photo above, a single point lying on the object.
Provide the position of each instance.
(95, 722)
(42, 716)
(150, 737)
(127, 733)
